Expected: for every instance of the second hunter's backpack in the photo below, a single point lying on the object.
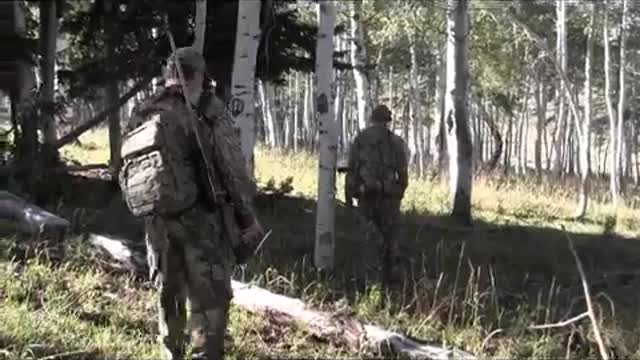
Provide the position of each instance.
(158, 176)
(379, 162)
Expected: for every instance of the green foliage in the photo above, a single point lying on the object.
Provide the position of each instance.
(283, 188)
(136, 52)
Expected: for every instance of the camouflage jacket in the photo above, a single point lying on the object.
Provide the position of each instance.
(231, 181)
(374, 152)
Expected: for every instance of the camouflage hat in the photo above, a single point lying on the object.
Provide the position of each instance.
(188, 57)
(381, 113)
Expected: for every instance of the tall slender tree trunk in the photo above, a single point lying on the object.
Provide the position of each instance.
(561, 10)
(325, 220)
(296, 112)
(266, 98)
(288, 116)
(414, 108)
(634, 153)
(358, 61)
(458, 139)
(583, 142)
(611, 111)
(508, 145)
(439, 112)
(346, 118)
(243, 77)
(339, 103)
(524, 144)
(541, 107)
(200, 25)
(112, 94)
(390, 94)
(48, 37)
(622, 98)
(306, 113)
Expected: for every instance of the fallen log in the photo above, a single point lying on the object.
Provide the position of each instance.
(21, 216)
(125, 254)
(343, 330)
(340, 330)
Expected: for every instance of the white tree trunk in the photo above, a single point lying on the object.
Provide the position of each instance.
(306, 113)
(288, 113)
(243, 77)
(622, 100)
(439, 111)
(200, 25)
(459, 138)
(611, 111)
(414, 108)
(266, 100)
(561, 51)
(339, 100)
(586, 123)
(541, 107)
(325, 217)
(296, 112)
(358, 61)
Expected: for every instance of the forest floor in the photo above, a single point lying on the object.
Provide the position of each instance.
(476, 289)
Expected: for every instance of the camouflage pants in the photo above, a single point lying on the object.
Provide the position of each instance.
(383, 214)
(189, 260)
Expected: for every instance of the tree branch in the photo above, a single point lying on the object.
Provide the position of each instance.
(587, 296)
(75, 133)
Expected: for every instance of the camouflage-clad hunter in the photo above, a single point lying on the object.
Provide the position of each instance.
(190, 254)
(377, 177)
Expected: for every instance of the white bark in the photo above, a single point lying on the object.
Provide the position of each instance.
(288, 120)
(339, 99)
(586, 123)
(458, 135)
(200, 25)
(306, 113)
(414, 108)
(622, 100)
(541, 107)
(561, 10)
(611, 111)
(358, 61)
(439, 110)
(325, 217)
(296, 112)
(243, 77)
(266, 99)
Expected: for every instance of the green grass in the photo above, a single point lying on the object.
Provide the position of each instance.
(460, 286)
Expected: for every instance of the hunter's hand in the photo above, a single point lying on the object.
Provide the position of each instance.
(253, 234)
(250, 239)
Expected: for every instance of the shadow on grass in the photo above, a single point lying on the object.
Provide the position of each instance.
(36, 351)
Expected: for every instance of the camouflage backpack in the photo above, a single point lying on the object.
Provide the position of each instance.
(157, 176)
(378, 164)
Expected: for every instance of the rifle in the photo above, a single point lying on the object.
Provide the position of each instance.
(229, 222)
